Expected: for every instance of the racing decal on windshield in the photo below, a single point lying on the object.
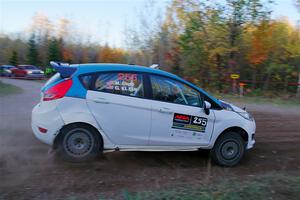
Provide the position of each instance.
(188, 122)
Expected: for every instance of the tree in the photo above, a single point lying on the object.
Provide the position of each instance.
(237, 14)
(32, 56)
(110, 55)
(14, 59)
(54, 50)
(298, 89)
(258, 39)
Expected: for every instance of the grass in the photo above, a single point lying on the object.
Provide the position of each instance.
(7, 89)
(264, 187)
(271, 186)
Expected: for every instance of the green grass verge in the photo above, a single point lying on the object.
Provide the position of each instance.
(271, 186)
(264, 187)
(7, 89)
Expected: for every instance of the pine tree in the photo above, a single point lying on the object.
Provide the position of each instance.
(32, 56)
(54, 50)
(13, 60)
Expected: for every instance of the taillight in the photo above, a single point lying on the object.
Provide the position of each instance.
(57, 91)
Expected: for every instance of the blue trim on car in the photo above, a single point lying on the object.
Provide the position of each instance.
(77, 90)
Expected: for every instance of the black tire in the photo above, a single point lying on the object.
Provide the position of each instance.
(228, 150)
(79, 143)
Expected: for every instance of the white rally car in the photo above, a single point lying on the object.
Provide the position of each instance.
(87, 109)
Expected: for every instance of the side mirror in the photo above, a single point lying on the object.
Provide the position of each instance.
(206, 107)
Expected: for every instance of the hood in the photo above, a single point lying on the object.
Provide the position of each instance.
(231, 107)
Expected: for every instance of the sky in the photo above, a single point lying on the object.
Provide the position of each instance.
(101, 20)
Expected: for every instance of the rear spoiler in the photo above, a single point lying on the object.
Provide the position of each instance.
(64, 69)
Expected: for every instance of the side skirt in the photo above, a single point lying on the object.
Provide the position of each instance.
(155, 148)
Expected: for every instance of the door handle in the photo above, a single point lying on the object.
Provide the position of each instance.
(100, 100)
(165, 110)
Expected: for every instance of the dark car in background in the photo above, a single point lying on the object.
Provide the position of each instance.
(28, 71)
(6, 70)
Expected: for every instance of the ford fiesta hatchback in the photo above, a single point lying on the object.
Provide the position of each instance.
(87, 109)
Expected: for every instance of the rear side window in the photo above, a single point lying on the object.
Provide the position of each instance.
(86, 81)
(129, 84)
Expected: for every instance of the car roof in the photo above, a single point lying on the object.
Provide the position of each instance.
(102, 67)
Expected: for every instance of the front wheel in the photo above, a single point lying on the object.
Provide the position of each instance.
(79, 143)
(228, 150)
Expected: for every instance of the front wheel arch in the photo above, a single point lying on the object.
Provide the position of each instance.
(235, 129)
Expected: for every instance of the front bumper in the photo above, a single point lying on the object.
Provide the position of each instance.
(250, 128)
(250, 144)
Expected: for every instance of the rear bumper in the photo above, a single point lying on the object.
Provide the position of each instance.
(46, 117)
(47, 137)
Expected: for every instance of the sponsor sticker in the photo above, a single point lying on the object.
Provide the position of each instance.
(188, 122)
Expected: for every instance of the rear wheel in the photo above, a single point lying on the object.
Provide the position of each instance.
(228, 150)
(79, 143)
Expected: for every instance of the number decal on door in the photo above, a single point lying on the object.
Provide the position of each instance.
(188, 122)
(199, 121)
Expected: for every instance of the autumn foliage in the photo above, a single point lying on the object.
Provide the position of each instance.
(202, 41)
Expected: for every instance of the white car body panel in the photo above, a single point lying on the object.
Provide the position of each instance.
(125, 120)
(153, 135)
(162, 132)
(75, 110)
(227, 119)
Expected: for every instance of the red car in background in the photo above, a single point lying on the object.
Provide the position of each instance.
(27, 71)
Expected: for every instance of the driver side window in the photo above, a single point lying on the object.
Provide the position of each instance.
(169, 90)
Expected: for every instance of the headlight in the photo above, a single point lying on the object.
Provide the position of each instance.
(246, 115)
(42, 72)
(29, 72)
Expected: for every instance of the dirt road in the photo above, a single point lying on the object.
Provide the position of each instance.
(29, 171)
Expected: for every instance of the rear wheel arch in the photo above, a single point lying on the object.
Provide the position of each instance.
(76, 124)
